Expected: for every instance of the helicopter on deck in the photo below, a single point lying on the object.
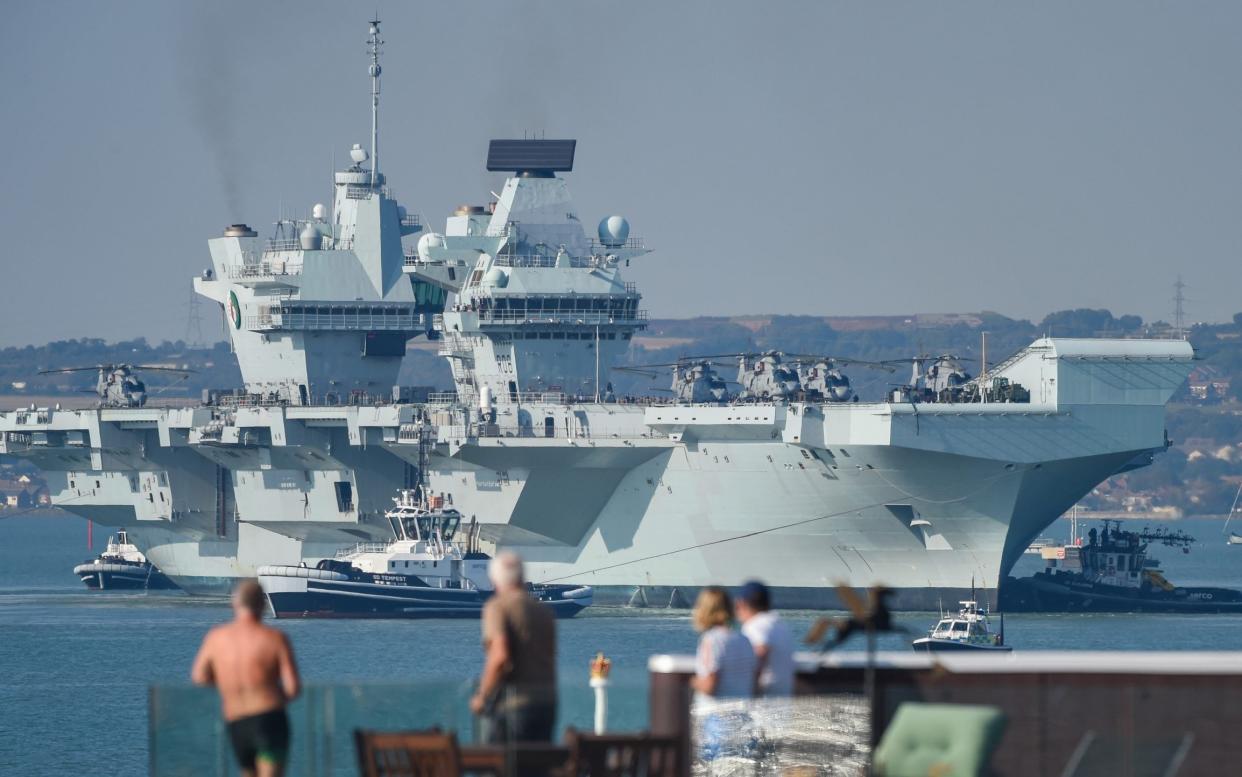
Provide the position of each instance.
(695, 380)
(936, 379)
(943, 379)
(807, 377)
(763, 376)
(118, 385)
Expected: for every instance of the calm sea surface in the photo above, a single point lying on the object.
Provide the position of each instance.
(75, 666)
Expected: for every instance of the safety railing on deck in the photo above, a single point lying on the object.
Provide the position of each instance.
(241, 272)
(337, 317)
(540, 260)
(631, 244)
(561, 316)
(363, 547)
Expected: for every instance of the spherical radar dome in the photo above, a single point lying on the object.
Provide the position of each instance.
(614, 231)
(319, 212)
(359, 154)
(496, 277)
(426, 243)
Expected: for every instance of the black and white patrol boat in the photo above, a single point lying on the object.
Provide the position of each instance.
(122, 567)
(422, 573)
(968, 630)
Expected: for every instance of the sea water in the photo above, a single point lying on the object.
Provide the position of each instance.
(76, 666)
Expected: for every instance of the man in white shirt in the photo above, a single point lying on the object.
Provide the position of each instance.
(769, 637)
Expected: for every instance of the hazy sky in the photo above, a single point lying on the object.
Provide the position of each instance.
(825, 158)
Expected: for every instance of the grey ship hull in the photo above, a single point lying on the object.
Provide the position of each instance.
(643, 503)
(927, 523)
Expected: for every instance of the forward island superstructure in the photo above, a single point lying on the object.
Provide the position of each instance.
(643, 501)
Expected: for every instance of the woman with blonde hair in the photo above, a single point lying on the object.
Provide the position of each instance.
(724, 666)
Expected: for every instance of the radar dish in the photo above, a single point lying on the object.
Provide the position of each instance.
(531, 155)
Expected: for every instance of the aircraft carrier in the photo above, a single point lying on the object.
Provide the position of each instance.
(933, 489)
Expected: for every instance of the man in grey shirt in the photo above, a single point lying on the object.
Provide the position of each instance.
(517, 692)
(769, 637)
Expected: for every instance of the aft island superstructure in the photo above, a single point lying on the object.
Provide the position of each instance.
(931, 491)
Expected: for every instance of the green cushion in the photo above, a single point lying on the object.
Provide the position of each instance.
(938, 740)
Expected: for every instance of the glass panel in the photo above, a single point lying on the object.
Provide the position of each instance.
(450, 527)
(187, 737)
(782, 736)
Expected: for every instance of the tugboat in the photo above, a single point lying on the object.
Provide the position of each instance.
(968, 630)
(420, 573)
(122, 567)
(1112, 573)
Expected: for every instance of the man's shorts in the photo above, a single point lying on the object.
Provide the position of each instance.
(264, 736)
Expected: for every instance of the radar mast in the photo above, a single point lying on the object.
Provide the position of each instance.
(373, 45)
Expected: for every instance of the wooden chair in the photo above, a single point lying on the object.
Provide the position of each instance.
(621, 755)
(407, 754)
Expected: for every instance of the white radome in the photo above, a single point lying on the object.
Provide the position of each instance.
(496, 277)
(358, 154)
(319, 212)
(614, 231)
(427, 242)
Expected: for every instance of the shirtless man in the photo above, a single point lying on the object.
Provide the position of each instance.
(253, 668)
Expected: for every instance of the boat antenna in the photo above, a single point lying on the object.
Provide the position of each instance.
(373, 46)
(1232, 508)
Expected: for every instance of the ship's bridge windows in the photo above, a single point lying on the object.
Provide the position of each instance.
(959, 627)
(558, 335)
(449, 527)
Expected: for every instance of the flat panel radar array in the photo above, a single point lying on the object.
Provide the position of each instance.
(545, 156)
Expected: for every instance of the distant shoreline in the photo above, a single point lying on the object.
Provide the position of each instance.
(1089, 517)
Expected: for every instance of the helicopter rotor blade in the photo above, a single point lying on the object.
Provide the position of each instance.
(637, 371)
(165, 387)
(146, 368)
(74, 369)
(112, 367)
(845, 361)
